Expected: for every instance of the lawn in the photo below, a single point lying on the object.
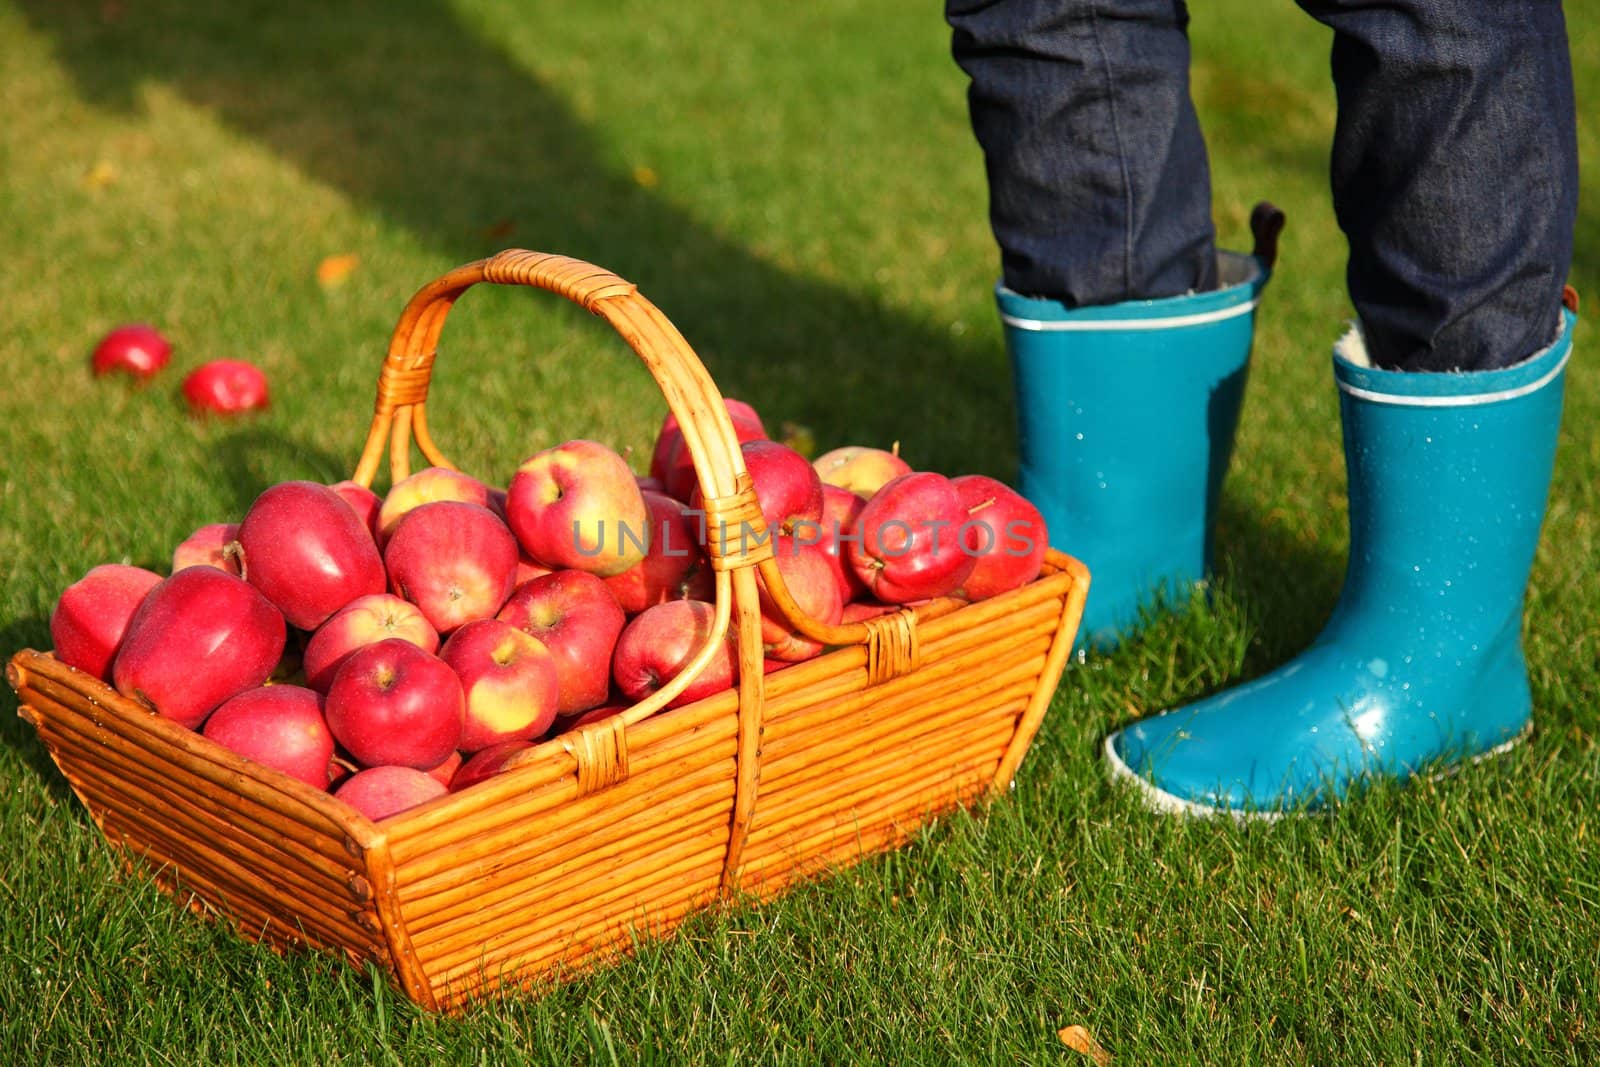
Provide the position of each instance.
(799, 192)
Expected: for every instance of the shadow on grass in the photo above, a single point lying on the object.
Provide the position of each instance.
(407, 111)
(16, 733)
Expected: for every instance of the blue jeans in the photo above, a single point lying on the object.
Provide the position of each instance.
(1454, 167)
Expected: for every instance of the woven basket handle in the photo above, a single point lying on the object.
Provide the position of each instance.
(400, 418)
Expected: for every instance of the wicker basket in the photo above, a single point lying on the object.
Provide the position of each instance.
(622, 828)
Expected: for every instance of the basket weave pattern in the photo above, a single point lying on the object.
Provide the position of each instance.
(614, 831)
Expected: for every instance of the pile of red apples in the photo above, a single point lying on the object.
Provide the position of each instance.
(392, 649)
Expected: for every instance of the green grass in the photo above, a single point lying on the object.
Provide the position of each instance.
(798, 190)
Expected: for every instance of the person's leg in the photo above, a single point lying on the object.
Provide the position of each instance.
(1455, 173)
(1098, 184)
(1128, 337)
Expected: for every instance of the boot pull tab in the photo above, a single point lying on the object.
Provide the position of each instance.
(1569, 298)
(1266, 223)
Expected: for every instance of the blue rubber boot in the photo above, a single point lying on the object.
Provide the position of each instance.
(1126, 417)
(1421, 663)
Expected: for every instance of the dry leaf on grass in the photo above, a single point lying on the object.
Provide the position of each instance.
(100, 175)
(1078, 1039)
(333, 271)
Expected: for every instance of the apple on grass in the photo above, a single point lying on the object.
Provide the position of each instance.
(509, 679)
(577, 506)
(576, 617)
(659, 643)
(860, 469)
(674, 568)
(393, 703)
(308, 553)
(808, 576)
(913, 544)
(226, 387)
(92, 615)
(428, 486)
(455, 561)
(198, 638)
(1011, 536)
(136, 349)
(379, 792)
(280, 726)
(364, 621)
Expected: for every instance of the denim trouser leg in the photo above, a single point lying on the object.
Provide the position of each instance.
(1099, 187)
(1454, 175)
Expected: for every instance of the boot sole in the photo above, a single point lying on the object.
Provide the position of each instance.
(1164, 803)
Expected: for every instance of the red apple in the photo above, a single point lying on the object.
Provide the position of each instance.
(860, 469)
(364, 621)
(661, 642)
(393, 703)
(564, 723)
(574, 615)
(486, 763)
(672, 463)
(840, 510)
(207, 547)
(363, 501)
(427, 486)
(674, 568)
(455, 561)
(510, 682)
(578, 506)
(135, 349)
(225, 387)
(788, 490)
(911, 543)
(1010, 536)
(379, 792)
(862, 610)
(445, 772)
(198, 638)
(306, 550)
(528, 570)
(92, 614)
(280, 726)
(808, 576)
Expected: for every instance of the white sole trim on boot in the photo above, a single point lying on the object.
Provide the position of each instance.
(1165, 803)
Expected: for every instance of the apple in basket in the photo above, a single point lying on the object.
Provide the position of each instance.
(280, 726)
(379, 792)
(788, 490)
(1011, 536)
(578, 506)
(427, 486)
(912, 543)
(136, 349)
(363, 501)
(308, 553)
(674, 568)
(393, 703)
(840, 510)
(808, 576)
(92, 615)
(455, 561)
(659, 643)
(486, 763)
(509, 679)
(671, 461)
(208, 547)
(860, 469)
(576, 617)
(364, 621)
(198, 638)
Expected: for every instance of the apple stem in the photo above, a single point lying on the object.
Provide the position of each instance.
(894, 450)
(980, 505)
(235, 551)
